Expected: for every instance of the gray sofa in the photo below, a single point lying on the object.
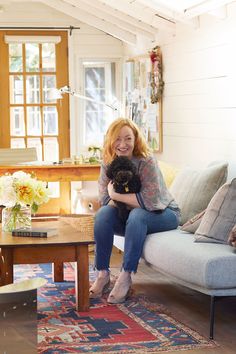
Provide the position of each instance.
(205, 267)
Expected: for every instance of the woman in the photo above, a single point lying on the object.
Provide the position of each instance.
(152, 210)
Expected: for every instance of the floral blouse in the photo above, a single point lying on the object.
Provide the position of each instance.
(154, 194)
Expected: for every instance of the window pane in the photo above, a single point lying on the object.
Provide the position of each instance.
(32, 89)
(34, 121)
(32, 56)
(15, 57)
(36, 142)
(50, 121)
(96, 125)
(17, 121)
(16, 89)
(48, 57)
(17, 143)
(49, 81)
(51, 149)
(95, 77)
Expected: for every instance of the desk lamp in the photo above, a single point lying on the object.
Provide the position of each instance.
(55, 94)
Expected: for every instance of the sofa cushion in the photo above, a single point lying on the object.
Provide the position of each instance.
(194, 188)
(169, 172)
(220, 216)
(232, 237)
(175, 253)
(192, 224)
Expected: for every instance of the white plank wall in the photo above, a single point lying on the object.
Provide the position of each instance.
(199, 106)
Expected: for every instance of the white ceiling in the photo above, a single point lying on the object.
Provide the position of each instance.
(124, 19)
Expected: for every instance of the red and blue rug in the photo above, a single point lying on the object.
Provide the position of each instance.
(137, 326)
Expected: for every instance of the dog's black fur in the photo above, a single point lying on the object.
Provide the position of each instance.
(123, 174)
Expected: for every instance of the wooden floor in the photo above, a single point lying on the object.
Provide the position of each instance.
(188, 306)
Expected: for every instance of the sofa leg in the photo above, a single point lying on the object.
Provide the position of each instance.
(212, 316)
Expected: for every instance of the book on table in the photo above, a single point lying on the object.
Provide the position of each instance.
(35, 232)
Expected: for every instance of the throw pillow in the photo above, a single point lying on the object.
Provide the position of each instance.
(232, 237)
(168, 172)
(220, 216)
(194, 188)
(192, 224)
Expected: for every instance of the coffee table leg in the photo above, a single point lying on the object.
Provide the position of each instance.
(7, 266)
(57, 271)
(82, 278)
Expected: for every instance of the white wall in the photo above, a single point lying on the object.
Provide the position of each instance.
(199, 104)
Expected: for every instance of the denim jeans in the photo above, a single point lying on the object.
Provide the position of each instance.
(139, 223)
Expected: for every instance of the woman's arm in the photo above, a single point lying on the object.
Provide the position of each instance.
(127, 198)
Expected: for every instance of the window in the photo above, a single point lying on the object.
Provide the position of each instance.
(32, 72)
(30, 64)
(99, 83)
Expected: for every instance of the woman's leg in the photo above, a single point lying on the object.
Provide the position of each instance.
(140, 223)
(106, 224)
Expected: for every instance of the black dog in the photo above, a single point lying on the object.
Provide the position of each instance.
(123, 173)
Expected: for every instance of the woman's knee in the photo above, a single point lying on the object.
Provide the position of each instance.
(137, 215)
(105, 213)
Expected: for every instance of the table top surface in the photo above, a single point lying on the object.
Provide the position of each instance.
(47, 165)
(67, 235)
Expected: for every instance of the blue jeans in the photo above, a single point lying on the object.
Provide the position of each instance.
(139, 223)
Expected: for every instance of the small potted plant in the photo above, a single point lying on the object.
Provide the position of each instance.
(95, 154)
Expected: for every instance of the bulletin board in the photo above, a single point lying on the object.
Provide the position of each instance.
(143, 96)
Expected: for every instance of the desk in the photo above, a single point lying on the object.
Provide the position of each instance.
(69, 245)
(57, 173)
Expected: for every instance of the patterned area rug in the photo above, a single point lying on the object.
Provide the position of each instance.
(137, 326)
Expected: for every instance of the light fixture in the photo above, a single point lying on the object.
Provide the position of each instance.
(55, 94)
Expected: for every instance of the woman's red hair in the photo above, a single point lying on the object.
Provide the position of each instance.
(141, 148)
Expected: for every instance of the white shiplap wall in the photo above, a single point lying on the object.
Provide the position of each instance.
(199, 110)
(199, 105)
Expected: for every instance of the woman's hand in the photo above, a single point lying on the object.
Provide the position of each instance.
(127, 198)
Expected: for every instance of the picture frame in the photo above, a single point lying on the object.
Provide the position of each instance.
(139, 92)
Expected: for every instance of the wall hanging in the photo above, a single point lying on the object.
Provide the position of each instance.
(143, 95)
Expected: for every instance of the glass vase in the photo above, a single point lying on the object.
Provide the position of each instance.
(16, 217)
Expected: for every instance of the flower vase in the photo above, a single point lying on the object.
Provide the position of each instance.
(16, 217)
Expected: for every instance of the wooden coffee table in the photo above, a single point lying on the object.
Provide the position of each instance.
(68, 245)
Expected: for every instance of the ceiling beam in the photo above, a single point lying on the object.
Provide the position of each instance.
(142, 13)
(120, 21)
(92, 20)
(121, 15)
(207, 6)
(165, 11)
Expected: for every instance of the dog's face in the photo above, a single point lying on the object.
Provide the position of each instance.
(123, 177)
(121, 169)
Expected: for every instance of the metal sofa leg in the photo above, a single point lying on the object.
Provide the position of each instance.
(212, 316)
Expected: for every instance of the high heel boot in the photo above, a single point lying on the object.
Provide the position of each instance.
(121, 289)
(100, 285)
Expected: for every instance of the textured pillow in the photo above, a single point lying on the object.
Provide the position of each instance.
(192, 224)
(168, 172)
(220, 216)
(232, 237)
(193, 189)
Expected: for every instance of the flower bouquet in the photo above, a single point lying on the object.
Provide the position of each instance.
(21, 194)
